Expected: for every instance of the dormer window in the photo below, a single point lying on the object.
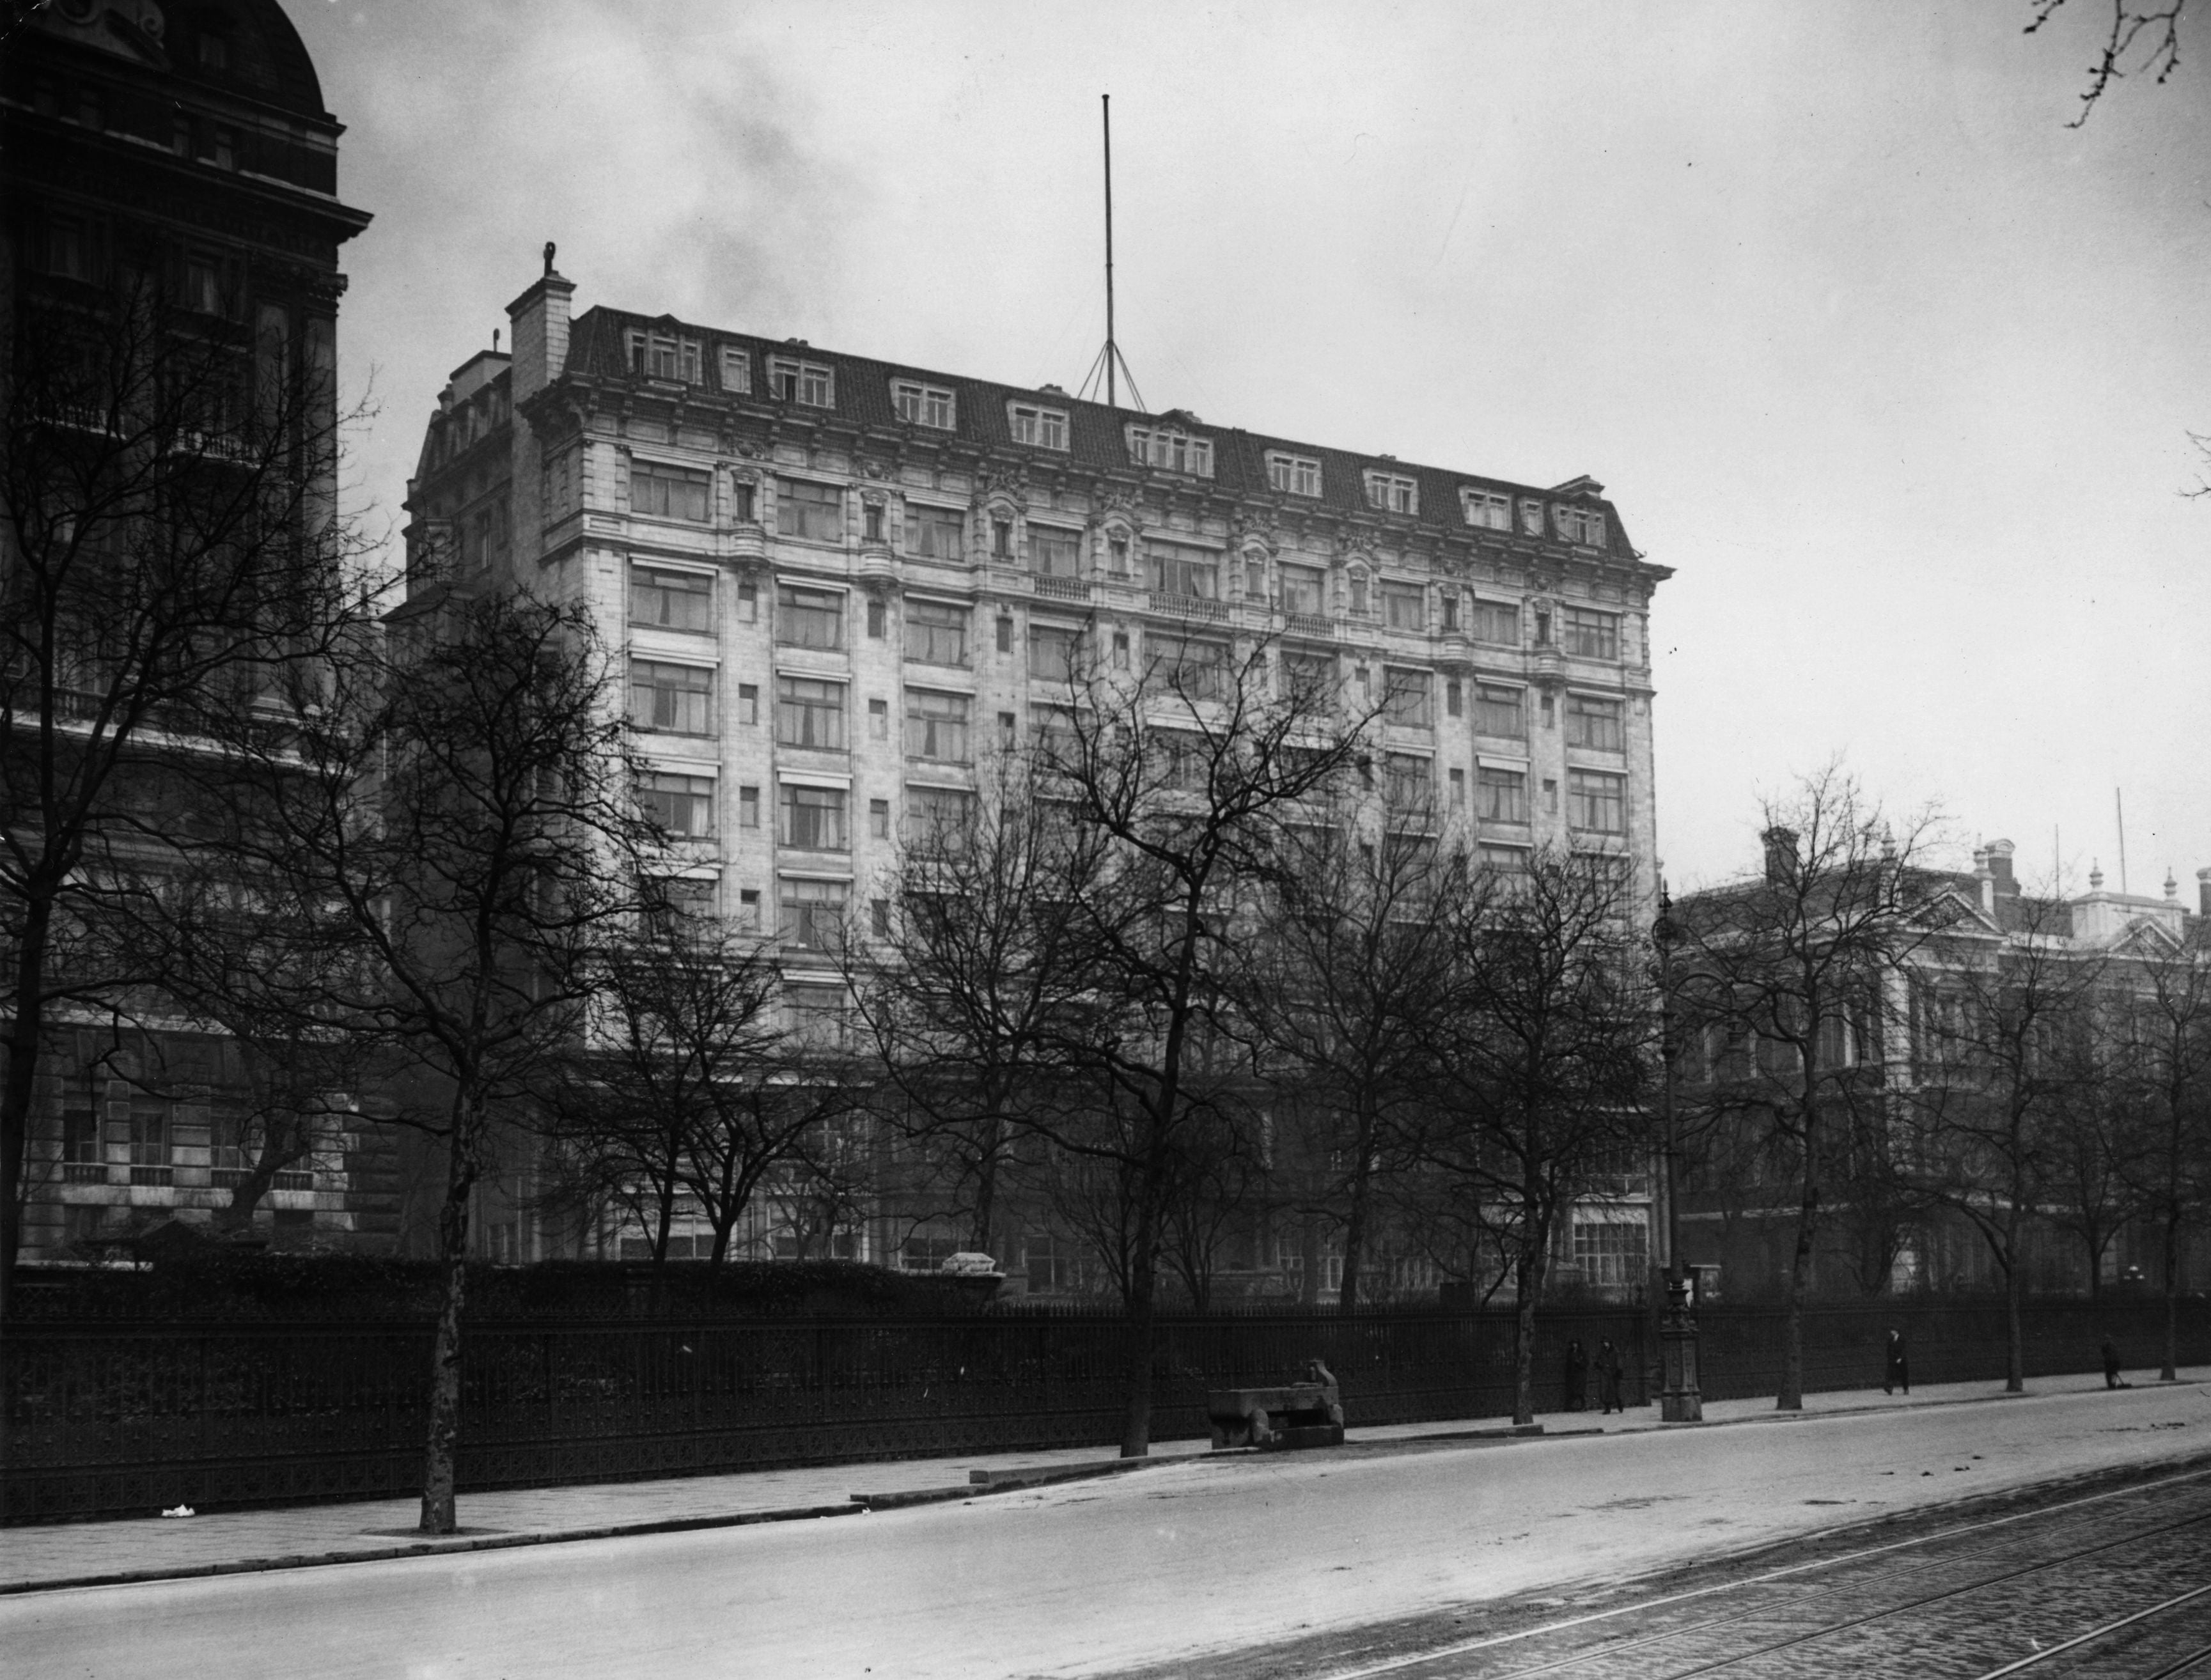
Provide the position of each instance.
(1392, 493)
(1531, 518)
(1045, 428)
(1293, 474)
(917, 404)
(1486, 509)
(664, 356)
(1578, 525)
(736, 370)
(1175, 450)
(810, 385)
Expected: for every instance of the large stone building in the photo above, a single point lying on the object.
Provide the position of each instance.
(837, 582)
(173, 172)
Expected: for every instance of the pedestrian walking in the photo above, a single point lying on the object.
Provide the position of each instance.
(1607, 1376)
(1896, 1372)
(2111, 1363)
(1577, 1377)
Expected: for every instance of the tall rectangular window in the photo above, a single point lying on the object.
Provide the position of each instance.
(1053, 653)
(1500, 794)
(811, 819)
(672, 700)
(1590, 635)
(667, 492)
(668, 600)
(1405, 606)
(736, 370)
(1594, 723)
(812, 912)
(812, 512)
(1055, 552)
(149, 1141)
(1181, 568)
(807, 618)
(809, 713)
(1045, 428)
(919, 404)
(1499, 711)
(682, 804)
(1596, 803)
(1195, 668)
(1304, 590)
(1408, 698)
(938, 818)
(1408, 782)
(1496, 622)
(936, 633)
(84, 1153)
(1293, 474)
(937, 725)
(936, 533)
(748, 804)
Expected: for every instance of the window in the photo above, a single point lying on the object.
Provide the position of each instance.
(748, 603)
(1293, 474)
(1405, 606)
(1117, 552)
(1408, 782)
(749, 910)
(809, 618)
(1588, 635)
(84, 1158)
(1310, 676)
(1054, 553)
(1393, 493)
(681, 899)
(1196, 669)
(879, 720)
(871, 522)
(203, 286)
(1454, 698)
(749, 803)
(875, 620)
(1508, 864)
(1497, 711)
(1175, 450)
(1531, 518)
(1496, 622)
(1579, 525)
(1304, 589)
(934, 533)
(672, 699)
(1002, 539)
(1051, 1262)
(813, 913)
(814, 511)
(1596, 803)
(664, 356)
(935, 632)
(1612, 1252)
(803, 382)
(670, 600)
(149, 1141)
(1457, 789)
(741, 501)
(747, 703)
(736, 370)
(682, 804)
(809, 713)
(938, 818)
(1046, 428)
(1005, 635)
(1550, 712)
(1179, 569)
(937, 725)
(1451, 612)
(1486, 509)
(1120, 649)
(811, 819)
(65, 248)
(879, 819)
(879, 918)
(1594, 723)
(922, 405)
(1358, 595)
(1407, 699)
(1550, 797)
(1500, 794)
(1053, 653)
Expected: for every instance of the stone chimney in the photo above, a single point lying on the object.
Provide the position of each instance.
(541, 332)
(1984, 877)
(2000, 857)
(2172, 886)
(2203, 892)
(1780, 854)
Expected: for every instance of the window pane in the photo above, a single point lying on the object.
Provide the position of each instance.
(935, 632)
(936, 533)
(812, 819)
(809, 618)
(1500, 795)
(667, 493)
(1497, 711)
(675, 699)
(809, 712)
(814, 511)
(937, 725)
(670, 600)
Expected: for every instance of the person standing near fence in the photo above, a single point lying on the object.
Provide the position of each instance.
(1607, 1376)
(1577, 1375)
(1896, 1371)
(2111, 1363)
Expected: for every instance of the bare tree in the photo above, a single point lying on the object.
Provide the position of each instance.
(168, 558)
(1539, 1054)
(2148, 36)
(1792, 971)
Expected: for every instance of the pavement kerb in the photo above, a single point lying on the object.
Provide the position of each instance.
(857, 1504)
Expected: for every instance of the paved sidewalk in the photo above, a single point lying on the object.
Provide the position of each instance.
(50, 1556)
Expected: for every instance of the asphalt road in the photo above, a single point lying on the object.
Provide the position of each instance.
(1087, 1577)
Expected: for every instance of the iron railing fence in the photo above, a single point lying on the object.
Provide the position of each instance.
(113, 1418)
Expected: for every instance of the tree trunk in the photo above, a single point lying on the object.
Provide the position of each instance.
(2171, 1371)
(1143, 1270)
(1791, 1397)
(1354, 1224)
(2015, 1335)
(24, 1032)
(986, 1189)
(1531, 1282)
(440, 1451)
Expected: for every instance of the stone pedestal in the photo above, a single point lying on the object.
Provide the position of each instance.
(1680, 1399)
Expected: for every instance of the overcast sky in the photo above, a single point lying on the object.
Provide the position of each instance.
(1890, 366)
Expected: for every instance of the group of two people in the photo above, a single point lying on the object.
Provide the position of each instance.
(1607, 1376)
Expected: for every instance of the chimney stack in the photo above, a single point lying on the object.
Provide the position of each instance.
(1984, 878)
(2203, 892)
(541, 332)
(2172, 886)
(1780, 854)
(2000, 857)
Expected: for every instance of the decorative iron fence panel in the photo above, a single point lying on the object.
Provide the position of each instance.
(113, 1418)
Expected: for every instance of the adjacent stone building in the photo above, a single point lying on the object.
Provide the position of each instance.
(838, 582)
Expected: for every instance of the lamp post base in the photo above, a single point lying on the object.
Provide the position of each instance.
(1680, 1399)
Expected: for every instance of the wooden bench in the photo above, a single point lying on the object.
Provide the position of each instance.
(1294, 1414)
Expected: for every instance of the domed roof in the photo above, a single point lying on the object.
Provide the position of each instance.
(248, 46)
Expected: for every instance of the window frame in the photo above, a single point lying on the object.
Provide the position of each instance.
(693, 708)
(1038, 420)
(932, 518)
(829, 823)
(791, 613)
(1589, 632)
(796, 497)
(957, 621)
(796, 379)
(1486, 510)
(938, 725)
(1585, 711)
(695, 799)
(1487, 702)
(1594, 793)
(1289, 474)
(801, 717)
(917, 402)
(697, 586)
(1168, 449)
(1391, 491)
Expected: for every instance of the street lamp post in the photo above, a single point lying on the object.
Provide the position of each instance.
(1681, 1400)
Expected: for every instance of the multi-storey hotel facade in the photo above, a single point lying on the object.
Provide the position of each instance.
(838, 583)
